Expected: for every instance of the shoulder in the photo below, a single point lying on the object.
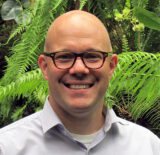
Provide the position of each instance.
(22, 128)
(130, 127)
(22, 122)
(21, 134)
(137, 133)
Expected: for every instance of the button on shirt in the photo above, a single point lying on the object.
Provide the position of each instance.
(44, 134)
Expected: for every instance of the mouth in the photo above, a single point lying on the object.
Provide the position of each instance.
(78, 86)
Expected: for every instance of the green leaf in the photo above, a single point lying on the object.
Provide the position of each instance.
(24, 17)
(148, 18)
(82, 4)
(128, 3)
(26, 3)
(10, 10)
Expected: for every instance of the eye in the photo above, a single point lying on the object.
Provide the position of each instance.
(93, 56)
(63, 56)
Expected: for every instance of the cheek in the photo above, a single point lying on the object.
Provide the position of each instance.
(53, 83)
(103, 76)
(54, 76)
(103, 72)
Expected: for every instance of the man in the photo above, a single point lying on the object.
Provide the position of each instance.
(78, 66)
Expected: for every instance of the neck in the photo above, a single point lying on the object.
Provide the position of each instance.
(85, 123)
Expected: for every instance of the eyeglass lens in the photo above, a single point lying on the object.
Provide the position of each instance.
(66, 60)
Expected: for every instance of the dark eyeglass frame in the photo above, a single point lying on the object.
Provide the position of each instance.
(81, 55)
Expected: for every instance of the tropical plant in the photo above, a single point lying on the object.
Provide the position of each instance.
(134, 87)
(16, 9)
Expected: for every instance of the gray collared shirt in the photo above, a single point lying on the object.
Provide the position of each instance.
(44, 134)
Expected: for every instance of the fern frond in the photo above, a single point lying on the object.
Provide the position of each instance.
(82, 4)
(5, 107)
(31, 14)
(24, 86)
(138, 75)
(149, 93)
(18, 113)
(137, 78)
(41, 92)
(125, 46)
(26, 51)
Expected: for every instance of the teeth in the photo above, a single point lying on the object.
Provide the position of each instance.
(79, 86)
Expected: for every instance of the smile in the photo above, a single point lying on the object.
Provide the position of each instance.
(78, 86)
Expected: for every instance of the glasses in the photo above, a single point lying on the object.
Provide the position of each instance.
(66, 60)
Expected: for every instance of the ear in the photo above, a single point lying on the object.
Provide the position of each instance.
(113, 64)
(42, 62)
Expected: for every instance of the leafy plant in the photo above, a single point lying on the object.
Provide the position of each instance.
(24, 56)
(148, 18)
(14, 9)
(125, 46)
(137, 75)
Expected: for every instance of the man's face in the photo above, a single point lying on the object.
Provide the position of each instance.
(77, 89)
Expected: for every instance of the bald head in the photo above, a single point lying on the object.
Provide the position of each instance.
(78, 24)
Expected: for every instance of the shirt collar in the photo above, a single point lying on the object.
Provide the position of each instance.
(111, 118)
(50, 119)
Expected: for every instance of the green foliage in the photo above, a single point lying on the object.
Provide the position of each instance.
(82, 4)
(138, 76)
(18, 113)
(29, 84)
(15, 10)
(125, 47)
(150, 19)
(129, 20)
(22, 78)
(141, 3)
(25, 52)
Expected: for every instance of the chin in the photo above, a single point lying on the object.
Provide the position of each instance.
(79, 110)
(81, 105)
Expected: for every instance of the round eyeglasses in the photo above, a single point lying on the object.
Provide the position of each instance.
(66, 60)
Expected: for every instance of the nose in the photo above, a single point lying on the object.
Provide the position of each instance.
(79, 67)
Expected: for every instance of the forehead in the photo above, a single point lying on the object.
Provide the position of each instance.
(77, 29)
